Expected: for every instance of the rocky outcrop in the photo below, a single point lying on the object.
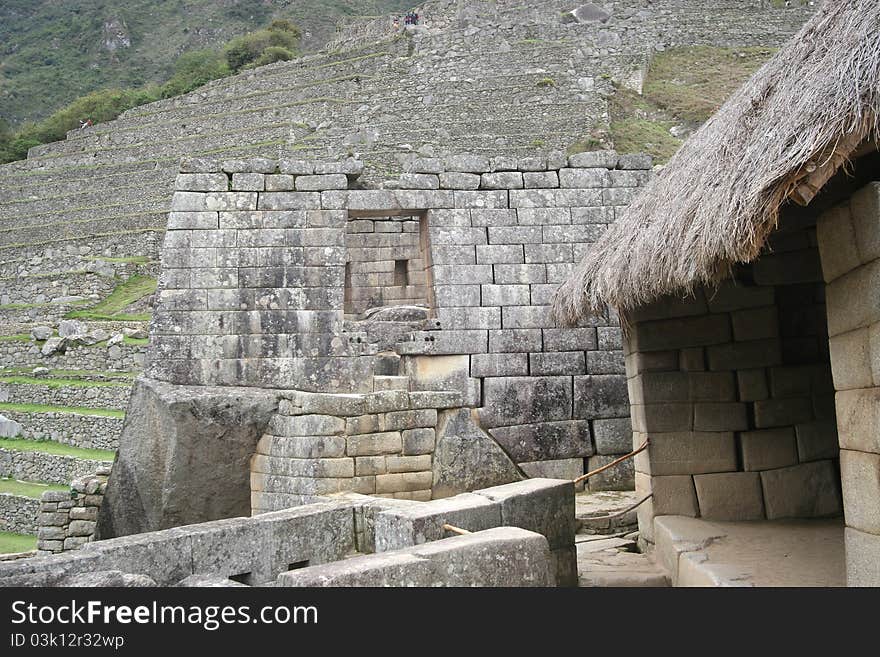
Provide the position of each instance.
(183, 456)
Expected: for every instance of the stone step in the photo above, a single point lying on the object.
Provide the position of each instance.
(390, 383)
(615, 562)
(52, 230)
(593, 507)
(122, 357)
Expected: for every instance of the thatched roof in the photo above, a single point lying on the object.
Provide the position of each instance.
(781, 136)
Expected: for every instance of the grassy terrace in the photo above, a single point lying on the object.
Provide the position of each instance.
(132, 290)
(67, 374)
(57, 449)
(76, 410)
(10, 543)
(27, 488)
(60, 382)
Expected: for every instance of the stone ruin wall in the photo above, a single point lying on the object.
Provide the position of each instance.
(476, 388)
(347, 540)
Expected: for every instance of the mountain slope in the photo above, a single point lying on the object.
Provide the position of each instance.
(52, 52)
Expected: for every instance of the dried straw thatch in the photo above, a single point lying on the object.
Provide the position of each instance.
(781, 136)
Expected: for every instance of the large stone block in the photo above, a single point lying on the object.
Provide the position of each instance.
(620, 477)
(547, 440)
(817, 440)
(851, 359)
(860, 475)
(613, 436)
(808, 490)
(544, 506)
(674, 495)
(466, 458)
(862, 558)
(676, 333)
(688, 452)
(556, 469)
(865, 208)
(600, 396)
(165, 556)
(211, 431)
(837, 242)
(412, 525)
(525, 400)
(851, 300)
(730, 496)
(768, 449)
(858, 419)
(470, 560)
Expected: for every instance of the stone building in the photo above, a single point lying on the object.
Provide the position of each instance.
(313, 336)
(746, 278)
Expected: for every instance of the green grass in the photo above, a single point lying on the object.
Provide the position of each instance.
(15, 371)
(122, 296)
(60, 383)
(58, 449)
(21, 337)
(27, 488)
(692, 83)
(45, 408)
(11, 543)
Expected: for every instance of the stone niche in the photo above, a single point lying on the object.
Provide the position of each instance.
(288, 279)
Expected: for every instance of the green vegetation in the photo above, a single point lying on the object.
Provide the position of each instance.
(45, 408)
(277, 42)
(693, 83)
(27, 488)
(11, 543)
(58, 449)
(683, 88)
(59, 383)
(21, 337)
(123, 295)
(54, 52)
(16, 371)
(546, 82)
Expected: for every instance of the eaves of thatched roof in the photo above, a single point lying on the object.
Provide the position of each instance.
(780, 137)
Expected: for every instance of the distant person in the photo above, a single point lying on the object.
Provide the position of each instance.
(396, 24)
(415, 19)
(85, 123)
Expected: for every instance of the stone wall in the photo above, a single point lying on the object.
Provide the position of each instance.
(89, 431)
(116, 358)
(733, 388)
(114, 396)
(252, 291)
(849, 241)
(309, 544)
(66, 521)
(18, 514)
(39, 466)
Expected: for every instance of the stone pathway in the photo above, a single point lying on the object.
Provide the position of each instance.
(607, 550)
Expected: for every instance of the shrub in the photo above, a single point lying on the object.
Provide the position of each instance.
(247, 49)
(193, 69)
(546, 82)
(273, 54)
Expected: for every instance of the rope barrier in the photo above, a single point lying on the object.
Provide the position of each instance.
(623, 458)
(623, 512)
(455, 530)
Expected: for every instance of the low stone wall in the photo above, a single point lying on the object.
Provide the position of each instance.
(89, 431)
(67, 521)
(392, 443)
(469, 560)
(96, 396)
(18, 513)
(39, 466)
(116, 358)
(267, 547)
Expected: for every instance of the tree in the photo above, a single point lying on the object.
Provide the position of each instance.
(193, 69)
(246, 50)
